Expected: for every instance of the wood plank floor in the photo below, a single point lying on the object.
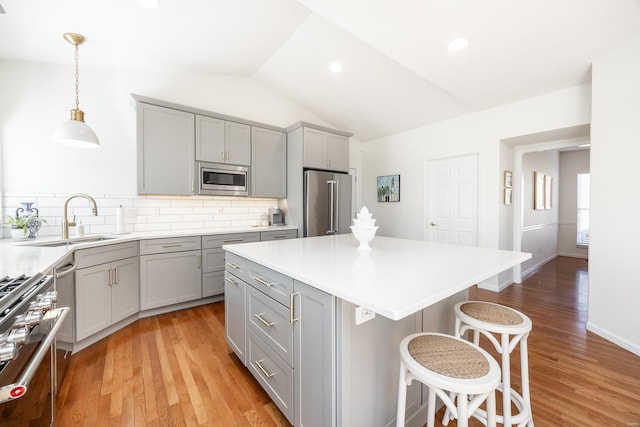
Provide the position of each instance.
(177, 370)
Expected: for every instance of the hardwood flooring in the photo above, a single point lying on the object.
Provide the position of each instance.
(177, 370)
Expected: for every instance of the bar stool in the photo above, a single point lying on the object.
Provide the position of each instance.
(448, 364)
(488, 319)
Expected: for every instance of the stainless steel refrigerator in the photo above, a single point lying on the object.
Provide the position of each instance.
(327, 203)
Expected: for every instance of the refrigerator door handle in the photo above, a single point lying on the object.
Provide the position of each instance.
(332, 207)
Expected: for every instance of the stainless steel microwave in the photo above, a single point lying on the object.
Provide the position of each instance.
(219, 179)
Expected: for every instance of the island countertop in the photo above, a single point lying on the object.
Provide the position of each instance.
(395, 278)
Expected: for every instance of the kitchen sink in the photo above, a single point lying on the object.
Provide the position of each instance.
(69, 242)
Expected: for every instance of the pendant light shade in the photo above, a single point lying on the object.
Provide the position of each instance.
(76, 132)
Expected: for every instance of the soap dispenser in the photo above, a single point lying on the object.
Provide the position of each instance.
(79, 229)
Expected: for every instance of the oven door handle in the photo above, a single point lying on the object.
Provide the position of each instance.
(63, 271)
(19, 388)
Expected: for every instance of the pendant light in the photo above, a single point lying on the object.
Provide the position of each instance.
(76, 132)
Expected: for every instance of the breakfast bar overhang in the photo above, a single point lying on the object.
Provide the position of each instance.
(411, 285)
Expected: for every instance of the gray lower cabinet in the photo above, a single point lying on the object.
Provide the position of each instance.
(170, 271)
(289, 339)
(166, 150)
(105, 294)
(213, 265)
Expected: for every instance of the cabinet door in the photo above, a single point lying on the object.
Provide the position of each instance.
(93, 300)
(212, 283)
(209, 139)
(269, 166)
(314, 349)
(234, 315)
(238, 143)
(212, 260)
(125, 295)
(165, 150)
(170, 278)
(338, 152)
(315, 148)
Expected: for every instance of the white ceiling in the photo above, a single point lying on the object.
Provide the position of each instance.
(397, 72)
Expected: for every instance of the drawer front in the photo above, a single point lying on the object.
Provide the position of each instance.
(278, 235)
(270, 321)
(212, 284)
(103, 254)
(275, 376)
(237, 266)
(217, 240)
(173, 244)
(212, 260)
(276, 285)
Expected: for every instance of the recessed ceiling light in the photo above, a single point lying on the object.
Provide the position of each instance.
(457, 44)
(336, 67)
(147, 4)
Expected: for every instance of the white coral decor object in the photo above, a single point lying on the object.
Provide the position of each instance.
(363, 228)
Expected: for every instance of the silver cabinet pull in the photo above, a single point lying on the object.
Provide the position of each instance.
(175, 245)
(260, 318)
(230, 280)
(232, 240)
(264, 371)
(110, 280)
(263, 282)
(116, 278)
(291, 311)
(232, 265)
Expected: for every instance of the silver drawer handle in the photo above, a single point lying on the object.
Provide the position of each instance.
(264, 371)
(230, 280)
(233, 240)
(260, 318)
(175, 245)
(282, 236)
(232, 265)
(264, 282)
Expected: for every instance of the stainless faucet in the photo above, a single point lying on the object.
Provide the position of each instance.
(65, 221)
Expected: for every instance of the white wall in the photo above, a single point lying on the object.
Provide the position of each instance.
(571, 164)
(614, 282)
(407, 153)
(539, 226)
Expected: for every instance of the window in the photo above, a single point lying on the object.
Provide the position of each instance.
(583, 210)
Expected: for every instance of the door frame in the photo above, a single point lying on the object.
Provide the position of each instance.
(428, 201)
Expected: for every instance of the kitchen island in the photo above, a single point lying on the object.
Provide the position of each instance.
(305, 348)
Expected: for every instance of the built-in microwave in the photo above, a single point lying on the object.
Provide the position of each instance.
(219, 179)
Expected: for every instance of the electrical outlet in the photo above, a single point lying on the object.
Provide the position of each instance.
(364, 314)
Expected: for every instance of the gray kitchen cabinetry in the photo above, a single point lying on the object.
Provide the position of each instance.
(289, 339)
(165, 150)
(106, 287)
(269, 163)
(234, 304)
(325, 150)
(279, 234)
(213, 261)
(170, 271)
(222, 141)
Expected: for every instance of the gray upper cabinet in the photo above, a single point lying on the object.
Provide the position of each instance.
(269, 166)
(325, 150)
(165, 150)
(222, 141)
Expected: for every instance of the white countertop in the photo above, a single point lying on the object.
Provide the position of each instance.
(17, 257)
(396, 278)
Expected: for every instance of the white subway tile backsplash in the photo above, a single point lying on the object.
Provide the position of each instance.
(142, 213)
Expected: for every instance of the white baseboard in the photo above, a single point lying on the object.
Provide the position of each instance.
(533, 268)
(627, 345)
(572, 255)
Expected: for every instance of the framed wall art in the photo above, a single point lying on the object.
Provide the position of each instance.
(388, 188)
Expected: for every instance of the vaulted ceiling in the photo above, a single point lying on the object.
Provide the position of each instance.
(397, 73)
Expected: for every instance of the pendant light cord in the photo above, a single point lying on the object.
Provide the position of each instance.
(77, 80)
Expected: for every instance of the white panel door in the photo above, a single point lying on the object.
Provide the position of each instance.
(453, 217)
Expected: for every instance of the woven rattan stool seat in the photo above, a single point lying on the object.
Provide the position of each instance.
(448, 356)
(492, 313)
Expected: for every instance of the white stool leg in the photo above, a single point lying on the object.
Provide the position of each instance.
(447, 413)
(524, 365)
(491, 409)
(506, 380)
(431, 409)
(402, 396)
(463, 416)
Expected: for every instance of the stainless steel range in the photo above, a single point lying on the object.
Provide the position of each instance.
(29, 321)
